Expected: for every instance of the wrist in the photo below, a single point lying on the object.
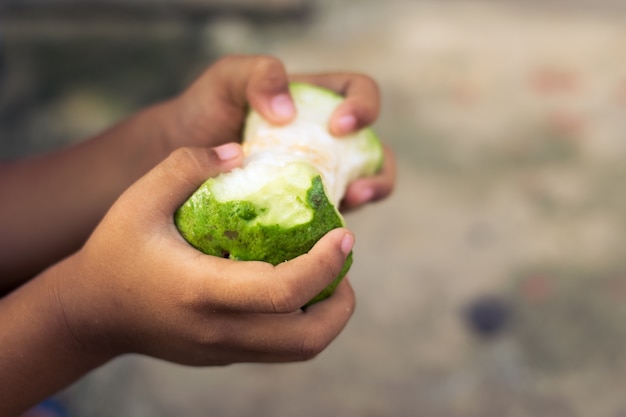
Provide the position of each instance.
(41, 352)
(81, 310)
(77, 317)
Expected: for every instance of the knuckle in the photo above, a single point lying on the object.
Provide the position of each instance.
(181, 156)
(368, 112)
(187, 156)
(365, 114)
(191, 297)
(363, 100)
(226, 62)
(283, 299)
(271, 75)
(368, 83)
(312, 345)
(267, 64)
(329, 267)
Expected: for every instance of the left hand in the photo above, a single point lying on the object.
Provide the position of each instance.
(213, 109)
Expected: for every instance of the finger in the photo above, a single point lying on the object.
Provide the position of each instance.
(288, 337)
(362, 100)
(171, 182)
(259, 287)
(268, 91)
(262, 82)
(373, 188)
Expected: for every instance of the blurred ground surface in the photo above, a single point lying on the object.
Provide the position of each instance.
(509, 126)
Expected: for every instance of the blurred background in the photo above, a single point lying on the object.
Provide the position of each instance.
(492, 283)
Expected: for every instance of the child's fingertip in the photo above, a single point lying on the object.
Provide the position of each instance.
(282, 106)
(346, 124)
(227, 151)
(347, 243)
(365, 195)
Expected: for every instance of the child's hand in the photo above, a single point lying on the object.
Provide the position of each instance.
(138, 286)
(213, 109)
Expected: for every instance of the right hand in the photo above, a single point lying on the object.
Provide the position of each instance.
(138, 286)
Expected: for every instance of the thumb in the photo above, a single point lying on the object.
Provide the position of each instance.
(261, 81)
(171, 182)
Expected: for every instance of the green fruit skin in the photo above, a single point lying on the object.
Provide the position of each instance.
(227, 229)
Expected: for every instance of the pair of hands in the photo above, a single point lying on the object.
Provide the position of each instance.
(137, 286)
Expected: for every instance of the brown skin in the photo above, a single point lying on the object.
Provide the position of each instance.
(83, 233)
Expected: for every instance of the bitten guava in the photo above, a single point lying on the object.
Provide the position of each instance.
(286, 194)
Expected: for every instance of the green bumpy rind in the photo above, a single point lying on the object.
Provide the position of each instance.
(227, 229)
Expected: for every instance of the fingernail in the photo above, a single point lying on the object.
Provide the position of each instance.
(366, 195)
(282, 106)
(227, 151)
(346, 123)
(347, 243)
